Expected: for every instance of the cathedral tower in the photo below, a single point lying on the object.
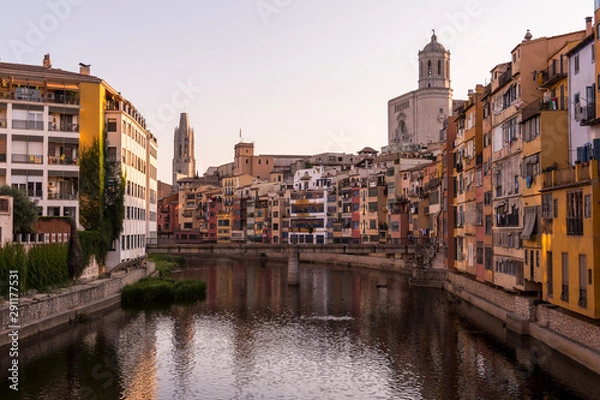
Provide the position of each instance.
(434, 65)
(184, 162)
(416, 118)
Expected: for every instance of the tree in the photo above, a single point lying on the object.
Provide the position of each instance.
(75, 256)
(25, 212)
(101, 194)
(90, 187)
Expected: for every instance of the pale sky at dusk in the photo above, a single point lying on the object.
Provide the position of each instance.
(299, 77)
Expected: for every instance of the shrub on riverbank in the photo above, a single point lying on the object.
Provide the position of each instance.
(41, 267)
(166, 263)
(163, 291)
(47, 266)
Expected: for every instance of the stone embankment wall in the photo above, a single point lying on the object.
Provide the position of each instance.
(41, 312)
(574, 336)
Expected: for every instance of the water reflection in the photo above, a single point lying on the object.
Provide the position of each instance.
(340, 334)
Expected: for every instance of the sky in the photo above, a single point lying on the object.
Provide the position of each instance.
(295, 76)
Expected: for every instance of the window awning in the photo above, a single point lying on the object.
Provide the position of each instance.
(62, 86)
(529, 225)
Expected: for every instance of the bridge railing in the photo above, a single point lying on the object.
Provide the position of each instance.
(406, 246)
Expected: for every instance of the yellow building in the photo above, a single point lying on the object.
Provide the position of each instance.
(545, 132)
(571, 238)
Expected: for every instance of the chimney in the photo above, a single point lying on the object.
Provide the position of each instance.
(47, 63)
(528, 36)
(84, 69)
(588, 26)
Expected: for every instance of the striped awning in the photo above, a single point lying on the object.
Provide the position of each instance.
(528, 225)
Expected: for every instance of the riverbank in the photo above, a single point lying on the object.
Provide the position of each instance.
(574, 336)
(45, 311)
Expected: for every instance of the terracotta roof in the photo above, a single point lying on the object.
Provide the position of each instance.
(43, 72)
(368, 150)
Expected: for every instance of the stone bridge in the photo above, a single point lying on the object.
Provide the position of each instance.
(386, 250)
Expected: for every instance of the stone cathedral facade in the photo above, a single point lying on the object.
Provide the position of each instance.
(416, 118)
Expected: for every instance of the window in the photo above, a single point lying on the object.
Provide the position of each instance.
(582, 301)
(510, 130)
(547, 206)
(111, 125)
(587, 206)
(373, 224)
(564, 295)
(488, 224)
(509, 96)
(488, 258)
(555, 207)
(549, 282)
(509, 266)
(480, 253)
(531, 128)
(487, 198)
(479, 214)
(575, 213)
(576, 62)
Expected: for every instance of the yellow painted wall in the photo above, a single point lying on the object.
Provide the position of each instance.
(91, 114)
(588, 244)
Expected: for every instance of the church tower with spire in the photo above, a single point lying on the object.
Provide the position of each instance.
(184, 162)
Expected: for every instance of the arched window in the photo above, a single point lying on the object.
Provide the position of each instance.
(439, 67)
(429, 68)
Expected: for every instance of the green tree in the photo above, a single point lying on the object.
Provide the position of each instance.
(101, 194)
(91, 187)
(75, 264)
(25, 212)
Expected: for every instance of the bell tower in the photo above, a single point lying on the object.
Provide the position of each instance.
(434, 65)
(184, 161)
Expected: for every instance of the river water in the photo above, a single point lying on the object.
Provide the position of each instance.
(340, 334)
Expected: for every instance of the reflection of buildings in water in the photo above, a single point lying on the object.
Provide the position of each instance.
(495, 354)
(137, 355)
(293, 299)
(231, 285)
(183, 346)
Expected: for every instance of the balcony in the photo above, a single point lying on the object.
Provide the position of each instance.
(3, 122)
(307, 195)
(27, 124)
(554, 73)
(63, 196)
(505, 77)
(580, 173)
(63, 127)
(62, 160)
(28, 158)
